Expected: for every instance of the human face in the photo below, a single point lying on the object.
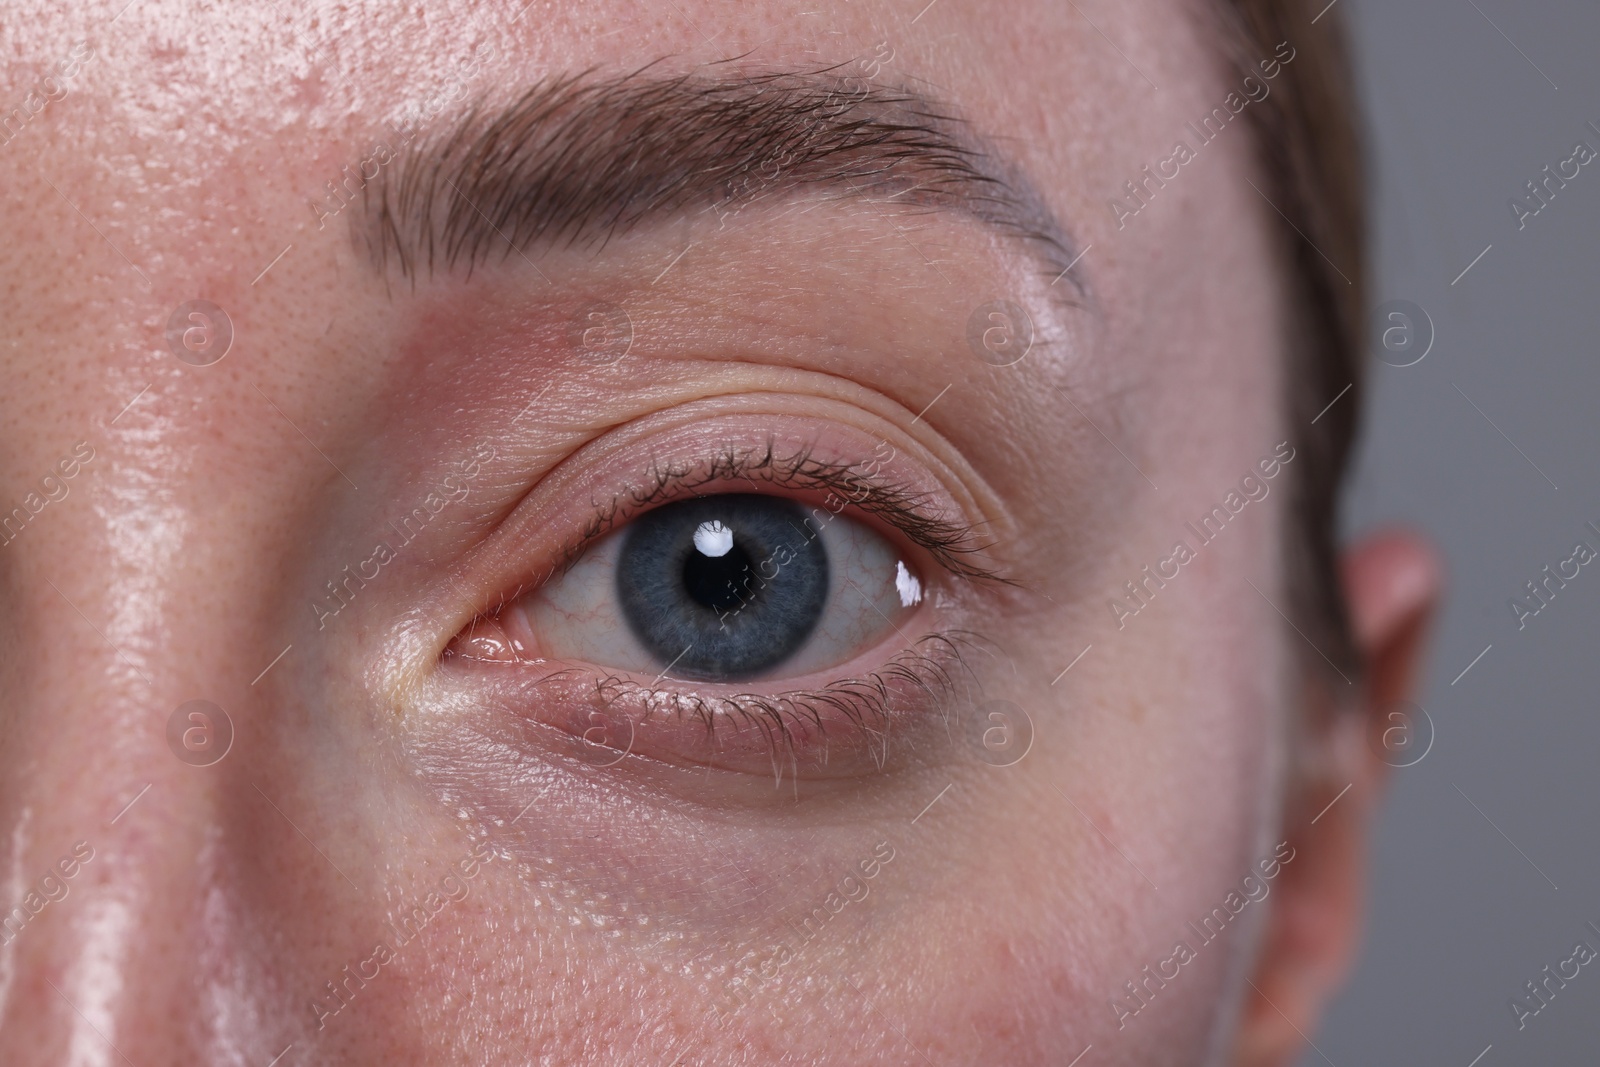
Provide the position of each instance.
(471, 810)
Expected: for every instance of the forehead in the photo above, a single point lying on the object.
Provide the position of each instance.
(257, 105)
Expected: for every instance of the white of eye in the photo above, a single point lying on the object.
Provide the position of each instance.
(714, 539)
(905, 583)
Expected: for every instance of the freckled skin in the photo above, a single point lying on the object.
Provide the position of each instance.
(293, 898)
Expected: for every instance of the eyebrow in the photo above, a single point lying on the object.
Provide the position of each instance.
(579, 159)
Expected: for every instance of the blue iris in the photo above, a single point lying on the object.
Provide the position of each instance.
(735, 601)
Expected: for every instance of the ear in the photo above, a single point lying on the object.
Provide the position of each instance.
(1391, 586)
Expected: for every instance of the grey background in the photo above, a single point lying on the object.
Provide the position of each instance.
(1460, 120)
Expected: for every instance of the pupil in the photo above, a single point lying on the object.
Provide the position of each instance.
(718, 582)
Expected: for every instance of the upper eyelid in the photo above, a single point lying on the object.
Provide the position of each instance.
(954, 545)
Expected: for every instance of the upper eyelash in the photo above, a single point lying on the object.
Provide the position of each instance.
(953, 545)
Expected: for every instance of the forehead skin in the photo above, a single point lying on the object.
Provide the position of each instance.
(182, 163)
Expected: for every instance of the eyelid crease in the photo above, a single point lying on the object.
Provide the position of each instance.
(952, 544)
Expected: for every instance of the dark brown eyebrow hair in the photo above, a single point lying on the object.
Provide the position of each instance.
(580, 158)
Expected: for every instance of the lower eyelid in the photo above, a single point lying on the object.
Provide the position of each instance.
(838, 730)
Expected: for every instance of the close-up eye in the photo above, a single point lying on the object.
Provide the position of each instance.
(775, 610)
(723, 588)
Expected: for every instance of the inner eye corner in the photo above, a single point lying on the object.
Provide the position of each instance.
(483, 638)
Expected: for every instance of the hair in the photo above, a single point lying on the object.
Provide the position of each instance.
(1309, 151)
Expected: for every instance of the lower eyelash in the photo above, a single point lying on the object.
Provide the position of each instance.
(930, 675)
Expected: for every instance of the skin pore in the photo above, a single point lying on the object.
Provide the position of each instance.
(434, 838)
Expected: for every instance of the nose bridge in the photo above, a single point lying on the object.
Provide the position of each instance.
(125, 680)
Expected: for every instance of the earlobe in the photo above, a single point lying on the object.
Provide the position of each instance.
(1391, 586)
